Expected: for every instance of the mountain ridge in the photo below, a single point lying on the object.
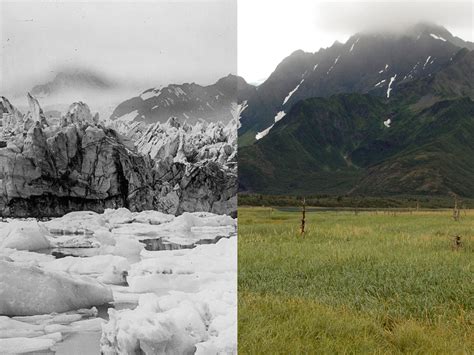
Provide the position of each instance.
(415, 139)
(365, 63)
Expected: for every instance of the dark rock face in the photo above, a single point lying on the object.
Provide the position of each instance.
(82, 165)
(186, 102)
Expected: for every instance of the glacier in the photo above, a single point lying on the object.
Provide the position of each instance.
(176, 299)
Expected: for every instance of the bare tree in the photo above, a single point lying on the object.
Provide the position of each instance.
(303, 218)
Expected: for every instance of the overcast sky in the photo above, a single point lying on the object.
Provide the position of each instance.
(144, 43)
(270, 31)
(152, 43)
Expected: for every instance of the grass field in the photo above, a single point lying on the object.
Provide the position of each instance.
(375, 282)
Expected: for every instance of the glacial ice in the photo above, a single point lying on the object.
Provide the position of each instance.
(186, 298)
(109, 269)
(25, 334)
(180, 315)
(30, 290)
(27, 235)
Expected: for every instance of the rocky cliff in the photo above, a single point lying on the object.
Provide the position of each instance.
(78, 163)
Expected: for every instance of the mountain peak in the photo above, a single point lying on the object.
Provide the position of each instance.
(71, 79)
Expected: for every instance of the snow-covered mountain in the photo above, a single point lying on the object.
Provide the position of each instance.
(368, 62)
(101, 93)
(186, 102)
(72, 80)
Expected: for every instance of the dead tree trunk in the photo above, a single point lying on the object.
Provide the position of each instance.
(303, 219)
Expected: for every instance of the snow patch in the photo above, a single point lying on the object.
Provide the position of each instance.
(332, 67)
(437, 37)
(279, 116)
(426, 62)
(353, 44)
(263, 133)
(150, 94)
(292, 92)
(380, 82)
(389, 89)
(129, 117)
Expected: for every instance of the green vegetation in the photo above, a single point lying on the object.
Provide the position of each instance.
(352, 202)
(366, 282)
(340, 146)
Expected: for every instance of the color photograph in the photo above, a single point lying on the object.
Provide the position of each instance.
(356, 178)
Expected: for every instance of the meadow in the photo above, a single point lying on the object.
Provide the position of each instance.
(379, 282)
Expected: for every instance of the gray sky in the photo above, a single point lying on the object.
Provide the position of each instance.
(268, 33)
(147, 43)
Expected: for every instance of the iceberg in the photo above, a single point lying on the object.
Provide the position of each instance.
(30, 290)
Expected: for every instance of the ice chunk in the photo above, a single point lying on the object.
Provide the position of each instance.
(150, 330)
(25, 345)
(110, 268)
(153, 217)
(81, 222)
(26, 235)
(118, 216)
(201, 317)
(123, 247)
(31, 290)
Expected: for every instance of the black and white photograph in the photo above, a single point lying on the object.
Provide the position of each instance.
(118, 177)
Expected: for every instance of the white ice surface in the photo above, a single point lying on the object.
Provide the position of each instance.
(25, 235)
(187, 297)
(190, 300)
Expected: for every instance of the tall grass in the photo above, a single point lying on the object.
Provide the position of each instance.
(374, 282)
